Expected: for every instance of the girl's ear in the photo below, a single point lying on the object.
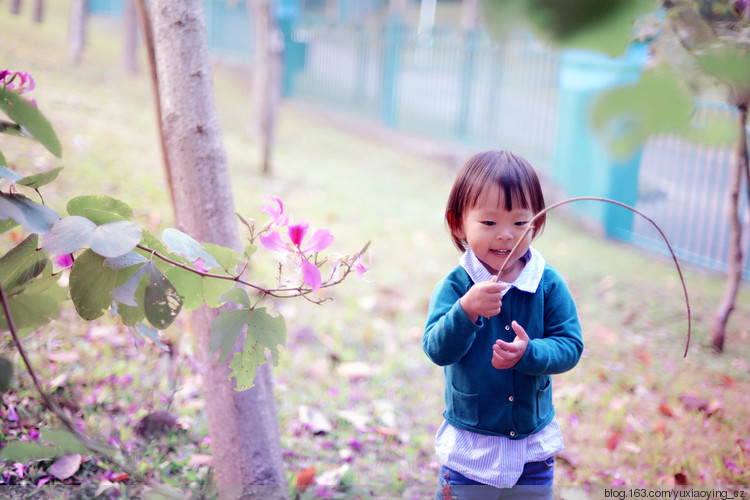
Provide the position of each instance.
(455, 224)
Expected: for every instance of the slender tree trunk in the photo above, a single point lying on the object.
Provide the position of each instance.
(77, 29)
(15, 6)
(266, 77)
(129, 37)
(735, 253)
(243, 426)
(469, 14)
(38, 15)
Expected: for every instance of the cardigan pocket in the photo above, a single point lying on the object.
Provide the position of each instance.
(544, 399)
(464, 407)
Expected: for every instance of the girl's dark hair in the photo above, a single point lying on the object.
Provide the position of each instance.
(508, 171)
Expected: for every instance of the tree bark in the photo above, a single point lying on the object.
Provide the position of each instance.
(266, 77)
(243, 426)
(38, 15)
(77, 30)
(129, 37)
(735, 253)
(15, 7)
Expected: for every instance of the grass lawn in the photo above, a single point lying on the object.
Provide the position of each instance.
(357, 398)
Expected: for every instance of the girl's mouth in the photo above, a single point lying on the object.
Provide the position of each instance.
(501, 253)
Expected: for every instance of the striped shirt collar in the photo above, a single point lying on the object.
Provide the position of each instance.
(527, 281)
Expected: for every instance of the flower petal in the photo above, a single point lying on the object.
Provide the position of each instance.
(274, 242)
(320, 240)
(297, 233)
(310, 274)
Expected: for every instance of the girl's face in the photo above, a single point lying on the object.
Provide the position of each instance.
(491, 232)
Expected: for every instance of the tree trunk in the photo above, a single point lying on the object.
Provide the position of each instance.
(129, 37)
(243, 426)
(77, 29)
(266, 77)
(15, 7)
(38, 15)
(469, 14)
(735, 253)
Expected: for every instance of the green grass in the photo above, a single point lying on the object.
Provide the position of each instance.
(622, 410)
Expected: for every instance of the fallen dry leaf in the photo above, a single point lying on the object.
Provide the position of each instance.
(693, 402)
(65, 466)
(199, 459)
(119, 477)
(305, 478)
(63, 356)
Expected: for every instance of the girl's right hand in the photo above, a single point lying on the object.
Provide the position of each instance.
(483, 299)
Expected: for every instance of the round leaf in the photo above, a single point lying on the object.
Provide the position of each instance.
(79, 205)
(29, 214)
(68, 235)
(115, 238)
(91, 284)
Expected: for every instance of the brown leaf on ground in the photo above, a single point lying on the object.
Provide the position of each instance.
(305, 478)
(199, 459)
(65, 466)
(693, 402)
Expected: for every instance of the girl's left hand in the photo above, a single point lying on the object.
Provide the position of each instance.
(506, 355)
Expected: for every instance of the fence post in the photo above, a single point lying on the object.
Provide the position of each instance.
(391, 66)
(295, 52)
(583, 166)
(467, 78)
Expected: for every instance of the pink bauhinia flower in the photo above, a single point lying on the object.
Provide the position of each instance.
(278, 217)
(319, 240)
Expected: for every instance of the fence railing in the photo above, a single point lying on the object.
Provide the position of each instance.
(467, 88)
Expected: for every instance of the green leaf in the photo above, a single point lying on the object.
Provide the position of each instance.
(29, 214)
(225, 330)
(264, 332)
(181, 243)
(189, 285)
(114, 239)
(587, 24)
(268, 331)
(91, 284)
(7, 225)
(6, 173)
(162, 302)
(125, 293)
(6, 374)
(94, 207)
(68, 235)
(125, 261)
(728, 63)
(26, 451)
(245, 364)
(147, 332)
(38, 180)
(30, 311)
(65, 442)
(227, 257)
(31, 119)
(21, 264)
(626, 116)
(237, 295)
(214, 288)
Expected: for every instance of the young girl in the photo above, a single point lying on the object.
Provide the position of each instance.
(499, 338)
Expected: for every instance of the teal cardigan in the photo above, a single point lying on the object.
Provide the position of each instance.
(514, 402)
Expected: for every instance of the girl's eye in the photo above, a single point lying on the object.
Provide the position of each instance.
(521, 223)
(488, 222)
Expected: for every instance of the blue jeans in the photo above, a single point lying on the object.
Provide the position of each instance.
(535, 483)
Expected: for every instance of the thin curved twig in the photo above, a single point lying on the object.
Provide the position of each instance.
(536, 217)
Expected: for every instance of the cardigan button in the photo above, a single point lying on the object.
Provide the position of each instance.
(512, 433)
(507, 327)
(510, 399)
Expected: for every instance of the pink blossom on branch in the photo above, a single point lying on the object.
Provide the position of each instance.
(278, 218)
(320, 240)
